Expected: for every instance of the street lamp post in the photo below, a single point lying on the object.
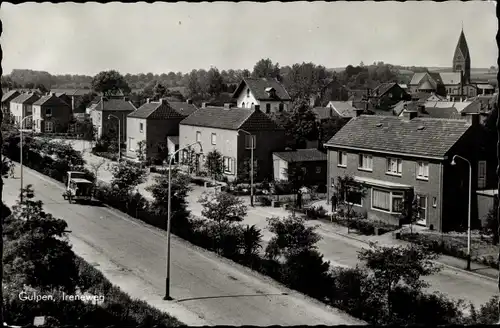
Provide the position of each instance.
(469, 211)
(119, 136)
(21, 155)
(252, 146)
(167, 279)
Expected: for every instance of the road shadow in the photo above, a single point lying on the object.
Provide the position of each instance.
(229, 296)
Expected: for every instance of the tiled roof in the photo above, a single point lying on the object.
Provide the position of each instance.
(383, 88)
(343, 108)
(258, 88)
(450, 78)
(183, 107)
(49, 100)
(8, 96)
(156, 111)
(427, 137)
(426, 86)
(26, 98)
(416, 78)
(441, 112)
(459, 105)
(114, 105)
(302, 155)
(72, 92)
(475, 107)
(231, 119)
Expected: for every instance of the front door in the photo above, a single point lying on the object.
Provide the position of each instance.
(422, 210)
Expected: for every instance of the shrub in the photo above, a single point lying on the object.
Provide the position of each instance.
(316, 212)
(264, 200)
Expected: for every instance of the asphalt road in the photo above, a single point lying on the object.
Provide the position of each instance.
(219, 292)
(342, 251)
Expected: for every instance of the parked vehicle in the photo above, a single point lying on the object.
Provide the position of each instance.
(78, 188)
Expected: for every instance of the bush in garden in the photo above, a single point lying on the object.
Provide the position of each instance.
(264, 200)
(221, 206)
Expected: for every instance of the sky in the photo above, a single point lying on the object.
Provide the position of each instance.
(70, 38)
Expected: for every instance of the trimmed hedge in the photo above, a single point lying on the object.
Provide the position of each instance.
(118, 308)
(363, 225)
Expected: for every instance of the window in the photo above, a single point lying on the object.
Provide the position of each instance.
(318, 169)
(214, 139)
(481, 174)
(249, 141)
(387, 201)
(49, 126)
(243, 105)
(434, 202)
(365, 162)
(141, 127)
(342, 159)
(198, 136)
(422, 171)
(268, 108)
(394, 166)
(228, 165)
(422, 207)
(252, 105)
(48, 111)
(281, 107)
(248, 92)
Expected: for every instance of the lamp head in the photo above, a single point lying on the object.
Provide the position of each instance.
(453, 161)
(109, 117)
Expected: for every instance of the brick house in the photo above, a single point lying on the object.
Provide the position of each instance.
(399, 158)
(102, 107)
(268, 93)
(388, 94)
(153, 123)
(51, 115)
(312, 161)
(72, 96)
(22, 106)
(218, 128)
(7, 97)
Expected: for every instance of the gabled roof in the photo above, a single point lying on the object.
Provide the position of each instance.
(72, 92)
(25, 98)
(420, 137)
(50, 100)
(343, 108)
(440, 112)
(231, 119)
(114, 105)
(156, 111)
(426, 86)
(258, 89)
(450, 78)
(383, 88)
(302, 155)
(416, 78)
(8, 96)
(183, 107)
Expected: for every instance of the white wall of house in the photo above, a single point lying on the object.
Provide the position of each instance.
(136, 132)
(19, 111)
(245, 101)
(96, 118)
(280, 168)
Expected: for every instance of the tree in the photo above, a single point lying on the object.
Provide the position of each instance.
(265, 68)
(244, 171)
(222, 206)
(296, 175)
(214, 164)
(291, 237)
(349, 192)
(393, 265)
(492, 222)
(95, 167)
(329, 127)
(159, 91)
(305, 80)
(110, 83)
(37, 253)
(410, 211)
(251, 241)
(179, 190)
(303, 123)
(126, 177)
(194, 89)
(215, 82)
(141, 151)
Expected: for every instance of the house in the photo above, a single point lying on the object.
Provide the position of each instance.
(397, 158)
(7, 97)
(105, 112)
(227, 131)
(268, 93)
(388, 94)
(332, 91)
(51, 115)
(22, 106)
(64, 97)
(74, 96)
(311, 161)
(151, 124)
(339, 109)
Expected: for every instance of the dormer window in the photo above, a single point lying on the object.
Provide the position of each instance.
(271, 92)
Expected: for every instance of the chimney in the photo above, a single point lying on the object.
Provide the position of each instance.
(148, 100)
(256, 107)
(161, 101)
(359, 111)
(409, 114)
(473, 118)
(189, 101)
(204, 105)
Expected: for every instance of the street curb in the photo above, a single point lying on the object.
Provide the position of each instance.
(451, 267)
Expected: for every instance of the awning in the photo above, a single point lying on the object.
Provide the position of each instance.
(381, 183)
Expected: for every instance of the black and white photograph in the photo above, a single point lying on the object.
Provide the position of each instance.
(249, 164)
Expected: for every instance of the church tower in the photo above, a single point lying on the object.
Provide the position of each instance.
(461, 59)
